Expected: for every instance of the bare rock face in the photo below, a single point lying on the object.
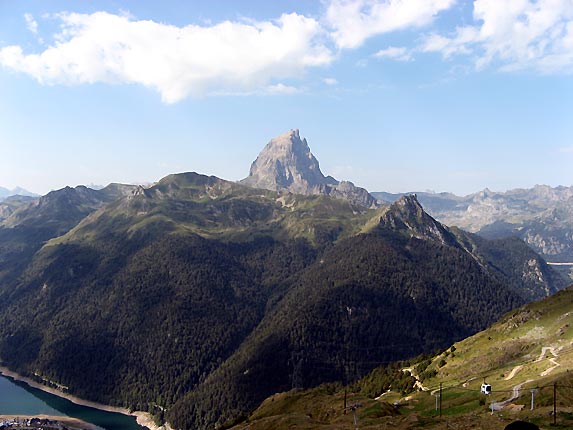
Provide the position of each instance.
(286, 163)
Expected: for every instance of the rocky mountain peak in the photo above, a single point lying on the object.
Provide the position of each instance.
(18, 191)
(410, 206)
(286, 163)
(407, 215)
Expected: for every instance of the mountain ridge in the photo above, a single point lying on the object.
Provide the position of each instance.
(18, 191)
(542, 216)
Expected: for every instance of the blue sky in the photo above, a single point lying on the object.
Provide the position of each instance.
(394, 95)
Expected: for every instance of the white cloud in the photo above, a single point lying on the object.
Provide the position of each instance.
(177, 62)
(520, 34)
(330, 81)
(394, 53)
(281, 88)
(449, 47)
(566, 149)
(31, 23)
(354, 21)
(269, 90)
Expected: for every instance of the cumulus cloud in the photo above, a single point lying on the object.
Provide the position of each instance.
(519, 34)
(354, 21)
(176, 61)
(31, 23)
(394, 53)
(258, 57)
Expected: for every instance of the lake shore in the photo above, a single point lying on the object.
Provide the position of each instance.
(69, 422)
(143, 418)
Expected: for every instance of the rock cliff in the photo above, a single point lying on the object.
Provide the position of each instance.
(286, 163)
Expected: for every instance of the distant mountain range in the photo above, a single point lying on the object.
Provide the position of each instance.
(5, 192)
(541, 216)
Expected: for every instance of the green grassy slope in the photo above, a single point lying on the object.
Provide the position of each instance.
(530, 348)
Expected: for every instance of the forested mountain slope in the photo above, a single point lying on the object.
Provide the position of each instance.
(28, 224)
(197, 297)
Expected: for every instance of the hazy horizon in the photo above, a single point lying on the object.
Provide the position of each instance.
(151, 183)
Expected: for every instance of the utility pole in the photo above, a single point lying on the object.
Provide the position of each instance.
(346, 358)
(555, 403)
(353, 409)
(533, 391)
(440, 399)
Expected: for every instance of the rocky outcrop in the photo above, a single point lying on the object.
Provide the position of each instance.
(286, 163)
(407, 215)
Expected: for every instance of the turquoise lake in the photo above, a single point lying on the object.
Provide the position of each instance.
(17, 398)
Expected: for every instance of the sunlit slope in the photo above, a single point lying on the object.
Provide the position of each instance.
(532, 345)
(529, 349)
(190, 203)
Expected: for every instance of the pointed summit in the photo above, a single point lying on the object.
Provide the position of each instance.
(407, 215)
(286, 163)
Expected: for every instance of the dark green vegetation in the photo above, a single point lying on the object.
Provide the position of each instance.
(198, 298)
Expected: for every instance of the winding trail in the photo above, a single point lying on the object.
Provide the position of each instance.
(553, 360)
(513, 372)
(515, 391)
(467, 383)
(514, 395)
